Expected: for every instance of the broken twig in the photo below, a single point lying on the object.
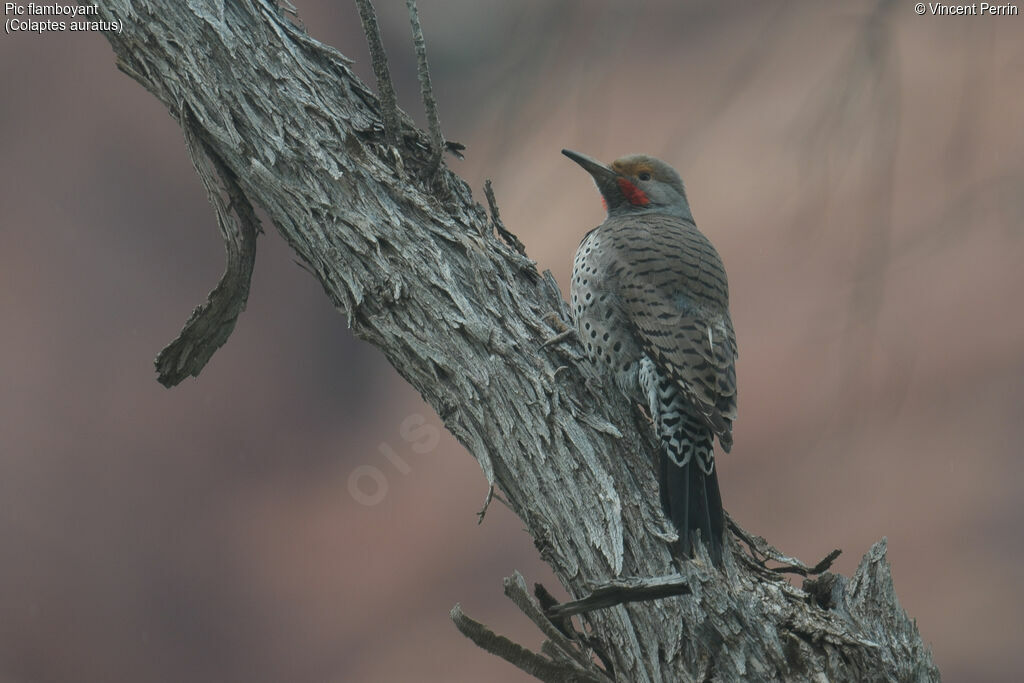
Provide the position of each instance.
(492, 203)
(624, 590)
(426, 90)
(385, 87)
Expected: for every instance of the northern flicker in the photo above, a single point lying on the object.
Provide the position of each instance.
(651, 303)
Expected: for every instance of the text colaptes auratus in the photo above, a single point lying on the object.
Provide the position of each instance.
(651, 303)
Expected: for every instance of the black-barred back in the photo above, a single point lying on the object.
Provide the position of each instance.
(651, 302)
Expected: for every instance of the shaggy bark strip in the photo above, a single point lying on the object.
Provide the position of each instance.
(211, 323)
(464, 319)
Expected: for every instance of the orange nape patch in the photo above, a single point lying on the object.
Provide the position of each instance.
(632, 168)
(633, 194)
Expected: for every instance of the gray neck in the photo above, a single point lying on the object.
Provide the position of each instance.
(678, 210)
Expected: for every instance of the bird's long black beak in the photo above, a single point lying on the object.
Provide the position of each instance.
(601, 173)
(604, 177)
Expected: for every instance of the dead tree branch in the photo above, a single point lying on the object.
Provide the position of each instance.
(426, 89)
(379, 59)
(464, 318)
(499, 225)
(621, 591)
(540, 667)
(212, 322)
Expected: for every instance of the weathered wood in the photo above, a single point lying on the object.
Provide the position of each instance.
(623, 590)
(426, 88)
(464, 318)
(213, 322)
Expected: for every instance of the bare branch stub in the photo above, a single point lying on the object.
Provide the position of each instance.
(506, 235)
(532, 663)
(761, 552)
(546, 601)
(426, 89)
(569, 657)
(456, 149)
(819, 568)
(487, 504)
(566, 644)
(623, 591)
(211, 323)
(385, 86)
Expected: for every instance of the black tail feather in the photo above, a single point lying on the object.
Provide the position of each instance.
(692, 501)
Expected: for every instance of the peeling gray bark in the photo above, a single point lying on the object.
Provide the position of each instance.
(464, 319)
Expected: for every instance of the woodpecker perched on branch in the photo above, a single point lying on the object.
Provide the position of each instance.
(651, 303)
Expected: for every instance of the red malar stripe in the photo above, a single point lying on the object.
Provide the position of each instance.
(633, 194)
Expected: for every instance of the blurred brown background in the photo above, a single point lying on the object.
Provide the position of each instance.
(859, 167)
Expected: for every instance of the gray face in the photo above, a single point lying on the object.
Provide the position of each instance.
(647, 184)
(637, 184)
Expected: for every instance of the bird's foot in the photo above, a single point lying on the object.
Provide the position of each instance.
(564, 331)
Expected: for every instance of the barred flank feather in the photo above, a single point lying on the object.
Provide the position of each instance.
(651, 301)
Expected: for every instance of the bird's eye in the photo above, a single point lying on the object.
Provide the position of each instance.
(644, 176)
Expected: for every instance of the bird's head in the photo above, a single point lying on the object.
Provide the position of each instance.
(636, 183)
